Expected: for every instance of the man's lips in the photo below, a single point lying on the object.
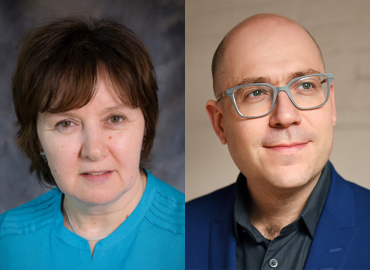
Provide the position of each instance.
(290, 148)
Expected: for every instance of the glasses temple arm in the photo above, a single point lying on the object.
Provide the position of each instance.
(220, 96)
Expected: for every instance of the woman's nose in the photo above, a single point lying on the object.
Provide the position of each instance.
(94, 145)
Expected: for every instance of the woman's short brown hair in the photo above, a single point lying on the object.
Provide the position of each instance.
(57, 69)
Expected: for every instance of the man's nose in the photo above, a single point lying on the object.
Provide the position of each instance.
(94, 145)
(284, 112)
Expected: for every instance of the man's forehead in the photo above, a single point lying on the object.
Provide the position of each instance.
(276, 79)
(265, 24)
(271, 38)
(251, 57)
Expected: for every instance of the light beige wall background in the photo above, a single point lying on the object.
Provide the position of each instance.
(342, 30)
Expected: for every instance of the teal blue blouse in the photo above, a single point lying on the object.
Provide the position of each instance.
(33, 236)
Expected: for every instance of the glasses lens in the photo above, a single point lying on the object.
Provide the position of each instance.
(253, 100)
(310, 91)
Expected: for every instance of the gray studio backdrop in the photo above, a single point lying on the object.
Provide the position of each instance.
(159, 24)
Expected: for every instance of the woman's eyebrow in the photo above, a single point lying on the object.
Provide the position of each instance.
(76, 115)
(61, 114)
(115, 108)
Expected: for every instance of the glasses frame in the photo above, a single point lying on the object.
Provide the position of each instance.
(230, 93)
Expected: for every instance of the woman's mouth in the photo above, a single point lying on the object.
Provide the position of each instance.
(97, 177)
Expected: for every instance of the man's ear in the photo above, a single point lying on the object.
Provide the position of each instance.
(215, 114)
(333, 104)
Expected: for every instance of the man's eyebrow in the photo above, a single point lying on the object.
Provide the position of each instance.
(297, 74)
(250, 80)
(291, 76)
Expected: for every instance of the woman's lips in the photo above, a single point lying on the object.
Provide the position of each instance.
(287, 148)
(97, 177)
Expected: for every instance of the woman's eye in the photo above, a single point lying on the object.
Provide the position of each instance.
(116, 119)
(64, 124)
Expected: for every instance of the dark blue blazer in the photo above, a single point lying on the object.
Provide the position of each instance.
(342, 238)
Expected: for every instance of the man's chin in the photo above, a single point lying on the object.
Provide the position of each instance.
(290, 176)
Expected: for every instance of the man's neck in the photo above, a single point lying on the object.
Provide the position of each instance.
(271, 209)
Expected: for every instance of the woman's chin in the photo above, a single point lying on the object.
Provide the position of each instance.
(95, 197)
(102, 197)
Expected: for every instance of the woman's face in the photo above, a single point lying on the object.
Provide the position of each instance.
(94, 152)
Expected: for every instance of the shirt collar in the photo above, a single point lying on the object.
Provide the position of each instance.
(312, 211)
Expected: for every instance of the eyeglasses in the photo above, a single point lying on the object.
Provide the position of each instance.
(258, 99)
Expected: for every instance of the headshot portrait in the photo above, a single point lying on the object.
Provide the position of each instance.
(88, 87)
(276, 140)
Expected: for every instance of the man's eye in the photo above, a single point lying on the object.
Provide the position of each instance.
(256, 93)
(306, 85)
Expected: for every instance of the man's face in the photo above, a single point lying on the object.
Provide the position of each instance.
(289, 147)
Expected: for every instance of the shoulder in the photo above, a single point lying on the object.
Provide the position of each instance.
(167, 210)
(207, 207)
(349, 203)
(361, 195)
(31, 216)
(201, 213)
(166, 190)
(345, 221)
(361, 200)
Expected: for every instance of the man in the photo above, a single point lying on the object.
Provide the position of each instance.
(289, 209)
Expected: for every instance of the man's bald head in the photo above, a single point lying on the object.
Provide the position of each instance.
(263, 21)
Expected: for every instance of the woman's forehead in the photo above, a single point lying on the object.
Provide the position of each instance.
(103, 92)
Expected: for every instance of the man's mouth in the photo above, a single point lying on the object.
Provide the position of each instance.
(288, 148)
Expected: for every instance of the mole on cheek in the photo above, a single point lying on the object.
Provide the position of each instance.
(55, 170)
(62, 145)
(110, 137)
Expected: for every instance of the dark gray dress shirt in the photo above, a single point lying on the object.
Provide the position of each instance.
(290, 249)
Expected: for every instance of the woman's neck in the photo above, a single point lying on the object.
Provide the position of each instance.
(95, 221)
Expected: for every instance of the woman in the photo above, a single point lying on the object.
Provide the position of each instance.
(86, 102)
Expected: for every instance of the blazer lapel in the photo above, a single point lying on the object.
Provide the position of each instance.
(222, 238)
(336, 230)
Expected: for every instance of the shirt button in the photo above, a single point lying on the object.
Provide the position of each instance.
(273, 263)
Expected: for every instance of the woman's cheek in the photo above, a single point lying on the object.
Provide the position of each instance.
(63, 158)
